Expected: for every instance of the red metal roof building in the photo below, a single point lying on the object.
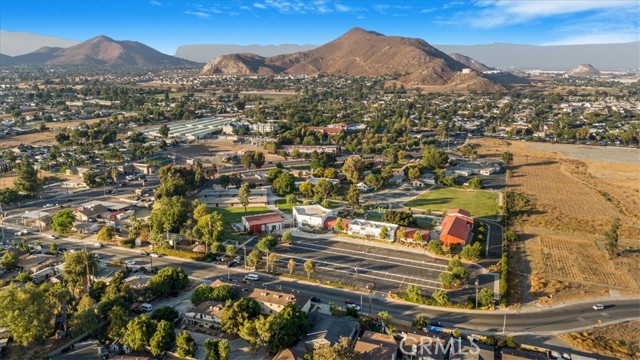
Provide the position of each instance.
(262, 223)
(456, 227)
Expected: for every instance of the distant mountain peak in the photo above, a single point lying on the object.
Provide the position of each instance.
(470, 62)
(101, 38)
(584, 70)
(361, 52)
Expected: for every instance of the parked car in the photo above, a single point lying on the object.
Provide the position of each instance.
(315, 299)
(252, 277)
(144, 308)
(130, 262)
(231, 264)
(598, 307)
(154, 255)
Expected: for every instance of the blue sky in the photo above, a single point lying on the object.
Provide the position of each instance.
(165, 24)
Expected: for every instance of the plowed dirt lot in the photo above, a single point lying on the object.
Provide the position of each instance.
(577, 191)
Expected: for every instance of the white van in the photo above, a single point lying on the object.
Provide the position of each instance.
(252, 277)
(146, 307)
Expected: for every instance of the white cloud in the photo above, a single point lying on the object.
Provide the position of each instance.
(495, 13)
(155, 2)
(342, 8)
(601, 38)
(199, 14)
(259, 6)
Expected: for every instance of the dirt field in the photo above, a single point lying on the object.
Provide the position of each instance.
(577, 192)
(618, 340)
(41, 138)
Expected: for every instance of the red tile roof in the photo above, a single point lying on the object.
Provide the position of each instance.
(268, 218)
(459, 211)
(455, 229)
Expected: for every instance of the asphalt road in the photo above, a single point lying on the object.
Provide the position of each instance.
(536, 321)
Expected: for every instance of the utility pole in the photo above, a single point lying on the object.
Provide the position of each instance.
(477, 283)
(244, 247)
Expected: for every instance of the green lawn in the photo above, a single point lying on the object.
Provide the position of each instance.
(282, 205)
(479, 203)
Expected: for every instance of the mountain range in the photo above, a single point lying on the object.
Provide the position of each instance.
(15, 43)
(205, 52)
(362, 53)
(100, 50)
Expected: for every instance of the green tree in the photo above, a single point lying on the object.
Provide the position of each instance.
(212, 349)
(306, 188)
(506, 157)
(435, 247)
(440, 297)
(166, 313)
(236, 313)
(168, 279)
(139, 332)
(272, 260)
(323, 189)
(309, 268)
(433, 158)
(77, 268)
(291, 265)
(413, 173)
(447, 279)
(258, 159)
(25, 313)
(243, 196)
(352, 168)
(384, 233)
(417, 237)
(224, 349)
(475, 183)
(414, 293)
(339, 224)
(9, 260)
(85, 321)
(285, 328)
(185, 345)
(199, 210)
(247, 159)
(284, 184)
(106, 234)
(86, 302)
(386, 320)
(62, 221)
(118, 320)
(420, 322)
(267, 243)
(163, 338)
(257, 333)
(485, 297)
(230, 250)
(291, 199)
(471, 252)
(375, 181)
(342, 350)
(9, 196)
(611, 237)
(164, 131)
(353, 196)
(27, 180)
(286, 237)
(254, 259)
(53, 248)
(210, 227)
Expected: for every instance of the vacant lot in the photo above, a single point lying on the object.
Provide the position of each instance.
(479, 203)
(577, 192)
(618, 340)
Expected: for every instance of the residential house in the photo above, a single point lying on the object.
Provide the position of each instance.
(424, 180)
(513, 354)
(376, 346)
(397, 179)
(314, 181)
(409, 235)
(268, 222)
(327, 330)
(270, 301)
(207, 314)
(362, 186)
(310, 216)
(89, 213)
(456, 227)
(87, 350)
(303, 149)
(371, 229)
(264, 128)
(475, 351)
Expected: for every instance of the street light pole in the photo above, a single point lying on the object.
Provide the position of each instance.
(477, 283)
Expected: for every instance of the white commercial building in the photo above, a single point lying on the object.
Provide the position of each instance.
(371, 229)
(310, 216)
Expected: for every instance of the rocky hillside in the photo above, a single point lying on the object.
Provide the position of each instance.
(362, 53)
(584, 70)
(102, 50)
(470, 63)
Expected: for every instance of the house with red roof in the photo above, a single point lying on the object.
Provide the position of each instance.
(456, 227)
(268, 222)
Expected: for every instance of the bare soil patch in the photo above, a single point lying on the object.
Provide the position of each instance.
(577, 193)
(618, 340)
